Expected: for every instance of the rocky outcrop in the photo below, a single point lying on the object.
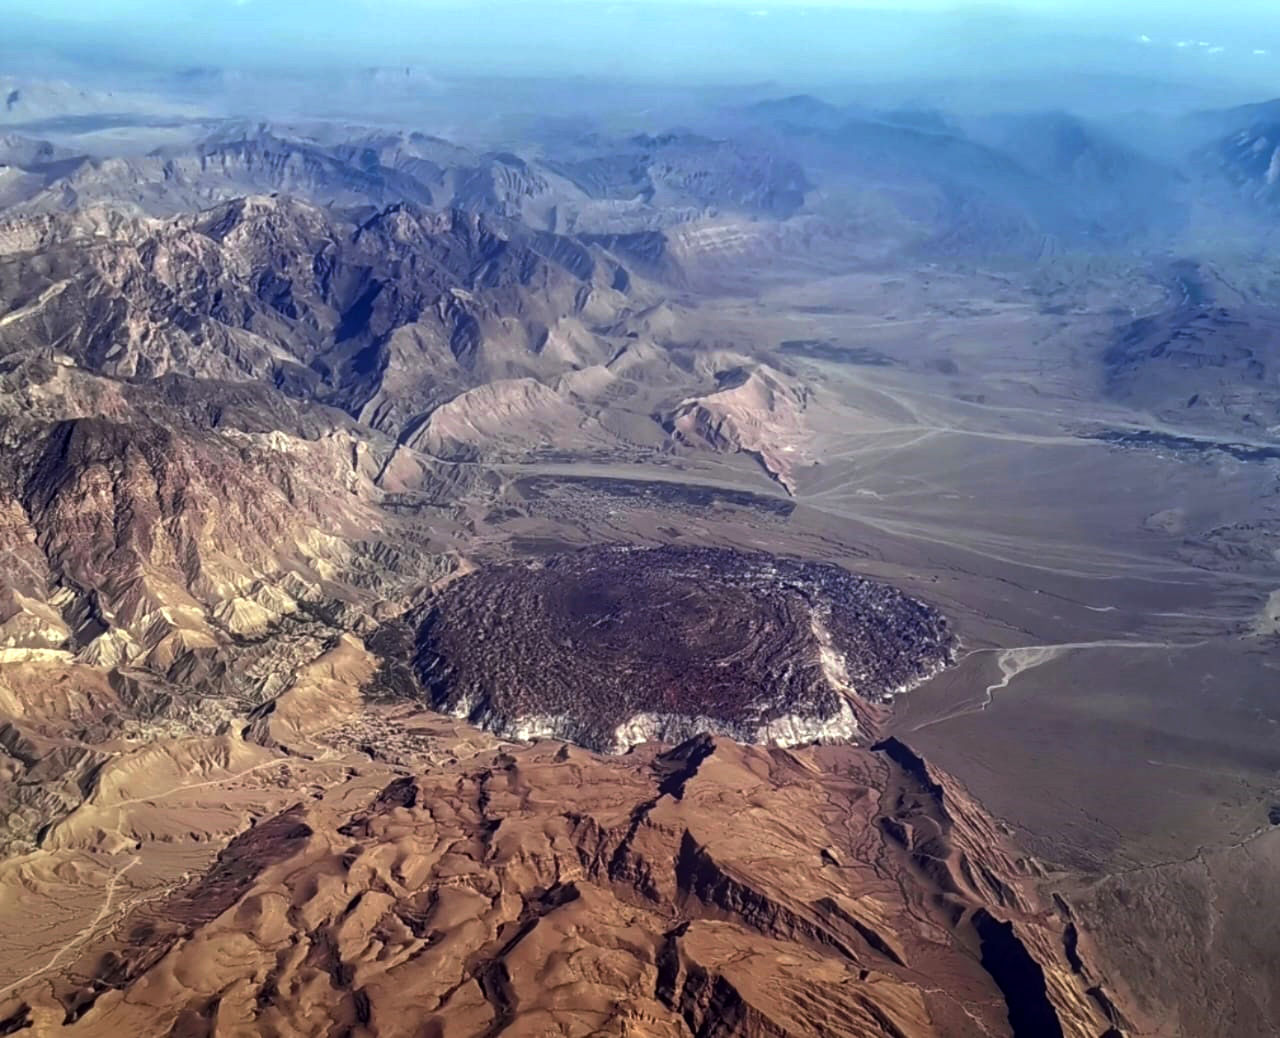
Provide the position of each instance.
(509, 418)
(756, 411)
(1247, 162)
(714, 889)
(171, 553)
(677, 169)
(1200, 367)
(385, 317)
(611, 647)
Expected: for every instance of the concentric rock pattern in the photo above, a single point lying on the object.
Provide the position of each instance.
(611, 647)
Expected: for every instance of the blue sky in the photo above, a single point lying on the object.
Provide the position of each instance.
(82, 10)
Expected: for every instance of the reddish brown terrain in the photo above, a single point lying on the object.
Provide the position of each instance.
(812, 573)
(714, 888)
(616, 647)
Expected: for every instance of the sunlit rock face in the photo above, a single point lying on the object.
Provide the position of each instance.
(617, 646)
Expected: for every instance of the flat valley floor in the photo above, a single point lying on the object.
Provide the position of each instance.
(1115, 703)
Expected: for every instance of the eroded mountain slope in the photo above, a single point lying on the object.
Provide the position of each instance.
(384, 314)
(712, 889)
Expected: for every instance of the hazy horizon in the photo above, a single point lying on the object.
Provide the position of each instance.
(707, 42)
(636, 518)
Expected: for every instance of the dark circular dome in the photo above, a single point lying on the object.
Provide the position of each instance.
(583, 643)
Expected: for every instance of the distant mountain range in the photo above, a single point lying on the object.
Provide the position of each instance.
(340, 463)
(1016, 184)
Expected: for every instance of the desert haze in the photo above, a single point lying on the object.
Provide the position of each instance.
(630, 520)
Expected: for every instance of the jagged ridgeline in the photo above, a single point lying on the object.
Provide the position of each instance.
(710, 889)
(616, 646)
